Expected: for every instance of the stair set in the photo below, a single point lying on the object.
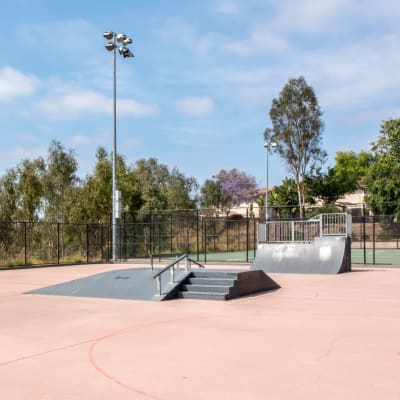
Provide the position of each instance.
(224, 285)
(209, 285)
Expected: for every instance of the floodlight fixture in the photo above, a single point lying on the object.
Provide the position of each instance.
(108, 35)
(110, 46)
(127, 41)
(125, 52)
(121, 37)
(269, 145)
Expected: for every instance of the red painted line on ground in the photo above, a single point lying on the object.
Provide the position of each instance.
(106, 374)
(103, 372)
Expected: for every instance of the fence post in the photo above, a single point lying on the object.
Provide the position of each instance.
(87, 243)
(227, 233)
(197, 235)
(215, 234)
(254, 237)
(101, 240)
(205, 238)
(125, 237)
(110, 240)
(119, 230)
(171, 233)
(320, 226)
(292, 231)
(58, 243)
(364, 239)
(373, 239)
(238, 223)
(25, 246)
(247, 235)
(151, 232)
(187, 235)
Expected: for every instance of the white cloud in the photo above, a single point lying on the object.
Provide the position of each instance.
(308, 16)
(59, 34)
(80, 102)
(357, 73)
(259, 42)
(195, 106)
(135, 108)
(14, 83)
(80, 140)
(177, 31)
(10, 157)
(227, 8)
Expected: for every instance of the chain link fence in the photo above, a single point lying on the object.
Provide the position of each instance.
(203, 234)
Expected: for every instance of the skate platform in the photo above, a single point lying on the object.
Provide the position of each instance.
(138, 284)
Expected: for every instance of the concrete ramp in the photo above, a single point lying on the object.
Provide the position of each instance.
(325, 255)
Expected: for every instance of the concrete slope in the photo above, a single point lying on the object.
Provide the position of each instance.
(325, 255)
(128, 284)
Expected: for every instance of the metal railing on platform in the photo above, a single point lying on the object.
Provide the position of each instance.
(336, 224)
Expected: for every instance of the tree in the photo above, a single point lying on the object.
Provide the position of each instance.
(229, 189)
(383, 181)
(347, 175)
(59, 178)
(30, 188)
(8, 196)
(155, 187)
(283, 199)
(91, 202)
(297, 131)
(180, 191)
(210, 194)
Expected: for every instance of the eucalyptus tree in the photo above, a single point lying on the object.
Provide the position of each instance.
(59, 179)
(297, 131)
(30, 188)
(156, 187)
(8, 195)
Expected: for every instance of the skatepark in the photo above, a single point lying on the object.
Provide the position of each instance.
(318, 336)
(99, 332)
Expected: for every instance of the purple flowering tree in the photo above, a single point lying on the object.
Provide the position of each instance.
(236, 188)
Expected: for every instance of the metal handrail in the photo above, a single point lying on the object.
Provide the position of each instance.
(162, 255)
(171, 266)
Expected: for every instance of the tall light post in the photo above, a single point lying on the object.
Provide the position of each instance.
(268, 146)
(116, 41)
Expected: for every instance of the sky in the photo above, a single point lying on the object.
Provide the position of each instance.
(197, 94)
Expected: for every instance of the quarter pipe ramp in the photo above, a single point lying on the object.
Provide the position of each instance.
(324, 255)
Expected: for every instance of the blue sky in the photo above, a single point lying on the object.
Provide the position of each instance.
(198, 92)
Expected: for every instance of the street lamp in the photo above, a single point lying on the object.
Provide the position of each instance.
(268, 146)
(116, 41)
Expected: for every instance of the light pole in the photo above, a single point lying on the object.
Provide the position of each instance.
(268, 146)
(112, 45)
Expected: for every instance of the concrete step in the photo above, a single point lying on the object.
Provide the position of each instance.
(214, 274)
(203, 295)
(211, 281)
(224, 285)
(206, 288)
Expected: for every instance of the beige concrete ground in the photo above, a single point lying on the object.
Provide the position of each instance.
(319, 337)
